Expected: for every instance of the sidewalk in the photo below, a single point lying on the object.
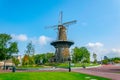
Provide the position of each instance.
(100, 72)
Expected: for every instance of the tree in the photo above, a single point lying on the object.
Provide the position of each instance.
(30, 49)
(40, 58)
(43, 58)
(7, 47)
(95, 58)
(28, 58)
(25, 60)
(81, 54)
(49, 57)
(85, 54)
(15, 61)
(105, 61)
(115, 59)
(31, 60)
(77, 56)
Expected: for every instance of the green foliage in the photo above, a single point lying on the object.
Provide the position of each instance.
(40, 58)
(30, 49)
(30, 67)
(95, 61)
(65, 65)
(95, 58)
(13, 47)
(15, 61)
(76, 54)
(49, 56)
(111, 60)
(31, 60)
(7, 47)
(37, 59)
(48, 76)
(105, 61)
(43, 58)
(28, 60)
(81, 54)
(25, 60)
(115, 60)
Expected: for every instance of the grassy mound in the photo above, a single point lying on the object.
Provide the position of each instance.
(48, 76)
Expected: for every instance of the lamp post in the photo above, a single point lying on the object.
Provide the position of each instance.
(69, 64)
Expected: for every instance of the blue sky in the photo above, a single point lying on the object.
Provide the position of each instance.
(97, 27)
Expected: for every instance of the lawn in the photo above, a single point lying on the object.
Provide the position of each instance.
(47, 76)
(59, 65)
(65, 65)
(31, 67)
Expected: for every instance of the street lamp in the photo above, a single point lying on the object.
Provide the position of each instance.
(69, 64)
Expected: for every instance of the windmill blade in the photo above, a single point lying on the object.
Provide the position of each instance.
(55, 26)
(69, 23)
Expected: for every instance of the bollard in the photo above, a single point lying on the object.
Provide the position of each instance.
(69, 69)
(84, 66)
(69, 66)
(13, 69)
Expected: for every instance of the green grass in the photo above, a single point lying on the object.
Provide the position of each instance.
(47, 76)
(78, 64)
(65, 65)
(30, 66)
(60, 65)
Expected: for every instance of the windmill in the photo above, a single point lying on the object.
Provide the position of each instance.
(62, 27)
(62, 45)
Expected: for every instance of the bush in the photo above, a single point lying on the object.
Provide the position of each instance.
(105, 61)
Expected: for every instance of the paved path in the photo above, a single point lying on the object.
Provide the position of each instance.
(103, 71)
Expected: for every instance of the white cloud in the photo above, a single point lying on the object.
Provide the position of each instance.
(116, 50)
(101, 51)
(95, 45)
(21, 37)
(114, 53)
(96, 48)
(43, 40)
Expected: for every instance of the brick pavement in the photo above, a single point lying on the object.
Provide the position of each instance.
(107, 71)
